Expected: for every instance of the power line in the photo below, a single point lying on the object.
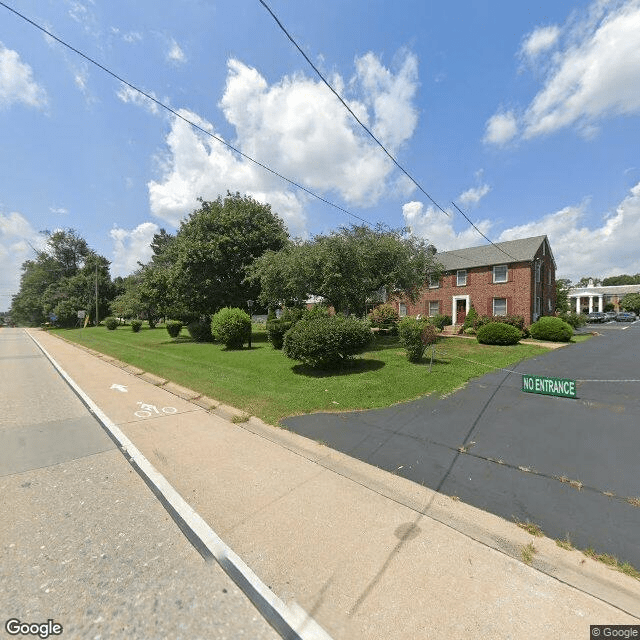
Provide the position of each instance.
(346, 106)
(181, 117)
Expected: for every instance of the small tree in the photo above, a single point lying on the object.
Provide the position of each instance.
(631, 302)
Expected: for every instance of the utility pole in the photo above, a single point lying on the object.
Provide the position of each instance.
(97, 294)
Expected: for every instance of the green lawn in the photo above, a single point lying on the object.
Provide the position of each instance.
(264, 383)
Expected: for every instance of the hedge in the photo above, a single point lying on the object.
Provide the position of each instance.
(499, 333)
(550, 328)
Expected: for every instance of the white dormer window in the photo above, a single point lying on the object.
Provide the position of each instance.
(500, 273)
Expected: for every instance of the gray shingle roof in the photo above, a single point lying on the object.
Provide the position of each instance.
(521, 250)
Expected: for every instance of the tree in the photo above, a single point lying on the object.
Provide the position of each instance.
(631, 302)
(60, 281)
(621, 280)
(347, 268)
(562, 295)
(213, 249)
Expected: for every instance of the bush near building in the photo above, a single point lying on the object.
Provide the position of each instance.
(415, 335)
(499, 333)
(384, 316)
(552, 329)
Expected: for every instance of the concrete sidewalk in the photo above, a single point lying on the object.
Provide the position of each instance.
(367, 554)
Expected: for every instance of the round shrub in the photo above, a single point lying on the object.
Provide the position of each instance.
(326, 342)
(111, 323)
(200, 330)
(498, 333)
(410, 332)
(232, 327)
(440, 321)
(135, 325)
(174, 327)
(550, 328)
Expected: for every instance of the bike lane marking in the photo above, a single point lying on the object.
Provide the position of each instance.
(290, 620)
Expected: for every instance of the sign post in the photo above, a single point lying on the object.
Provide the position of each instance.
(559, 387)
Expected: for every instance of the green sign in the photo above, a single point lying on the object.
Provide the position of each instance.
(549, 386)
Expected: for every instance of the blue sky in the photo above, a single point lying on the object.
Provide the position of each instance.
(527, 115)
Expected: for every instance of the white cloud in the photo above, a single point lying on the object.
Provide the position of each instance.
(61, 211)
(299, 129)
(607, 250)
(17, 83)
(472, 196)
(501, 128)
(131, 246)
(540, 40)
(17, 236)
(131, 96)
(593, 77)
(175, 53)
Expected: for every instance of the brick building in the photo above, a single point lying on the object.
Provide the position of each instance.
(517, 277)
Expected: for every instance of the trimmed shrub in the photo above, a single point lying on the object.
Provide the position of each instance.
(111, 323)
(326, 342)
(174, 327)
(415, 335)
(135, 325)
(200, 330)
(384, 316)
(232, 327)
(550, 328)
(276, 329)
(440, 321)
(499, 333)
(409, 331)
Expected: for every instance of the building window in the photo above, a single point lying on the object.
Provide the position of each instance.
(434, 282)
(499, 306)
(548, 304)
(461, 277)
(434, 308)
(402, 310)
(537, 272)
(500, 273)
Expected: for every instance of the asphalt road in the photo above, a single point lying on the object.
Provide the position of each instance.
(83, 541)
(567, 465)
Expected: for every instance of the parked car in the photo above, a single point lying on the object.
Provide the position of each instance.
(626, 316)
(596, 316)
(611, 315)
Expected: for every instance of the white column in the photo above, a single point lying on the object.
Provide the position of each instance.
(601, 302)
(578, 304)
(590, 304)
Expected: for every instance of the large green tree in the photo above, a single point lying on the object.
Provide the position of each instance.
(61, 280)
(631, 302)
(347, 267)
(621, 280)
(562, 294)
(213, 249)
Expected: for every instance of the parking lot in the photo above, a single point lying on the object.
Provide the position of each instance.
(567, 465)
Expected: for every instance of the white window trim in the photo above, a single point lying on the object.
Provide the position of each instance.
(506, 310)
(458, 272)
(400, 314)
(436, 302)
(506, 273)
(436, 285)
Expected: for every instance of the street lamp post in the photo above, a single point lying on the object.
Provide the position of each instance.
(250, 306)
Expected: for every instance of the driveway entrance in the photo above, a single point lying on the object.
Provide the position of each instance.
(569, 466)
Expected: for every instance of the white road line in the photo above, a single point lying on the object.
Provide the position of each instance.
(297, 623)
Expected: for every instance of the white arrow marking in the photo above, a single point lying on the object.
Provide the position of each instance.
(120, 387)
